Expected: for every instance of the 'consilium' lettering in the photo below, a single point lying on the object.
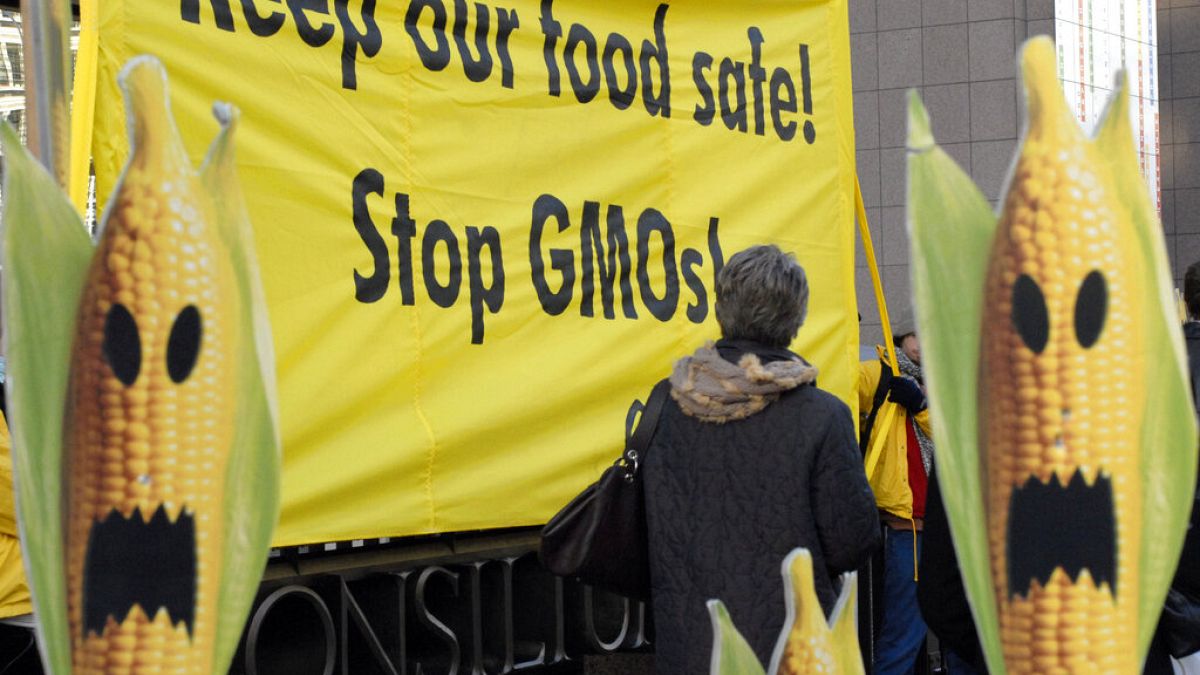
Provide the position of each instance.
(435, 625)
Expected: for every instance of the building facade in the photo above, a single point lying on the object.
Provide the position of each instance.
(1179, 111)
(961, 55)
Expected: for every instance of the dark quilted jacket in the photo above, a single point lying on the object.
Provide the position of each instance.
(1180, 622)
(725, 504)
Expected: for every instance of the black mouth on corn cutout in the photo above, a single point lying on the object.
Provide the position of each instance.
(130, 561)
(1051, 525)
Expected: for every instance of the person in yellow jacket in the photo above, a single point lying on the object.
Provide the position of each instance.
(899, 482)
(14, 594)
(16, 620)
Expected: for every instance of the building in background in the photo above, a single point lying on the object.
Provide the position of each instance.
(12, 75)
(12, 79)
(12, 70)
(961, 55)
(1096, 39)
(1179, 128)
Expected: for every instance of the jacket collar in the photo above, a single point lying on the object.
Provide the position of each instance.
(733, 351)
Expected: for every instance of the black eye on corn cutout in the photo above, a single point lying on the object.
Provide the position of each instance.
(122, 345)
(1029, 314)
(183, 346)
(1091, 309)
(1031, 318)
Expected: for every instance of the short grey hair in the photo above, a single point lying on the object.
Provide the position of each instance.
(762, 295)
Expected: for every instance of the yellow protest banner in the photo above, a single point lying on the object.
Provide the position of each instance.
(486, 228)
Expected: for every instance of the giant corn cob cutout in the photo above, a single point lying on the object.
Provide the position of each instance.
(159, 438)
(1067, 442)
(808, 644)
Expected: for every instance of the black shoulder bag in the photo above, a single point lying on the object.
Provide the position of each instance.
(600, 537)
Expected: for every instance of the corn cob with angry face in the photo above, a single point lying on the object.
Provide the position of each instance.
(149, 413)
(1060, 392)
(810, 643)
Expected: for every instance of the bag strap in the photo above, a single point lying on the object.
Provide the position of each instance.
(639, 443)
(881, 391)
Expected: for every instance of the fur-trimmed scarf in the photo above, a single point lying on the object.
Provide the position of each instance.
(911, 369)
(712, 389)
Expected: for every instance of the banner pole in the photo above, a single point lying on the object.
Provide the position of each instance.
(869, 249)
(83, 106)
(888, 412)
(46, 35)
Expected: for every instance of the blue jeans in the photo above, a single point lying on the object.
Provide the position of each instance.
(903, 630)
(955, 664)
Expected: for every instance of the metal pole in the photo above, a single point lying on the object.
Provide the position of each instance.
(46, 34)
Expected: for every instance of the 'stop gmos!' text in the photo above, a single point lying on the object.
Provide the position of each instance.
(748, 97)
(609, 270)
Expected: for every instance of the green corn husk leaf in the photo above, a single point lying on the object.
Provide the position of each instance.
(1168, 434)
(45, 256)
(252, 476)
(951, 227)
(731, 654)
